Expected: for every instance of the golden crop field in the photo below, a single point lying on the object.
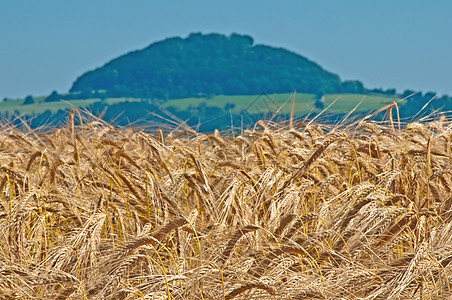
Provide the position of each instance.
(309, 211)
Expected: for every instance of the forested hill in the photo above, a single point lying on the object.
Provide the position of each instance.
(206, 65)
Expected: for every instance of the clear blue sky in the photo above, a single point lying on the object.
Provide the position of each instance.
(45, 45)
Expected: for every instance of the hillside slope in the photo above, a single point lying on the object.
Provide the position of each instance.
(211, 64)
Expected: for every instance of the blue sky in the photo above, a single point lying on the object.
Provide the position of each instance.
(45, 45)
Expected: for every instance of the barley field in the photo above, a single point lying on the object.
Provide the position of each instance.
(358, 210)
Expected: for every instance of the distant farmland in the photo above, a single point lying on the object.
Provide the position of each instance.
(304, 103)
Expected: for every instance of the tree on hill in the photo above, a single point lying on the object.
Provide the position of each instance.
(353, 86)
(54, 96)
(210, 64)
(28, 100)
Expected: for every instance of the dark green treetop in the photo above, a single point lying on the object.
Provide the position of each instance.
(54, 96)
(28, 100)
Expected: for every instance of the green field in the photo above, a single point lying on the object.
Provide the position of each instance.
(251, 103)
(40, 106)
(344, 103)
(303, 103)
